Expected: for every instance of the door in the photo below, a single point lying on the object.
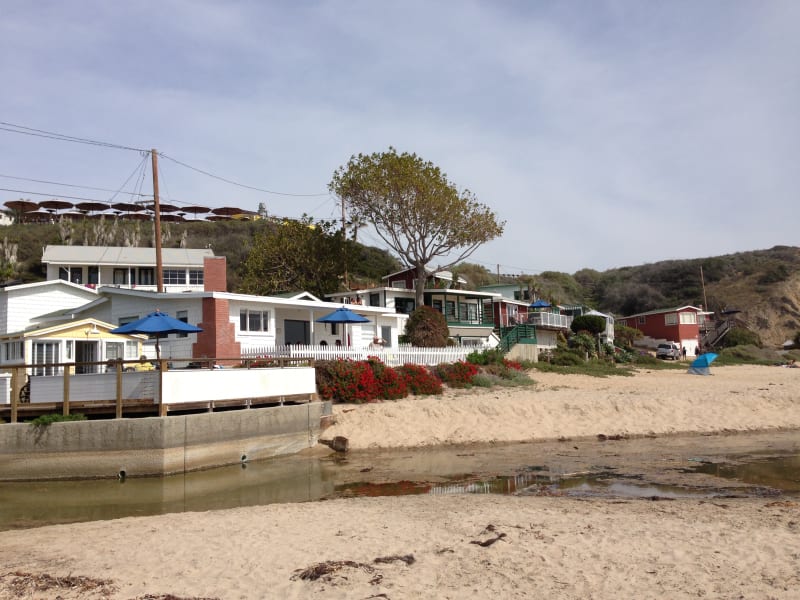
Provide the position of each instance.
(296, 332)
(86, 352)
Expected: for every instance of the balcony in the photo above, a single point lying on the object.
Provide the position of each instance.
(549, 320)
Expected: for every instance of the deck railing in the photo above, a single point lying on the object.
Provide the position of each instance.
(393, 357)
(543, 319)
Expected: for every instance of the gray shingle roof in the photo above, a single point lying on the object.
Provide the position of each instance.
(120, 255)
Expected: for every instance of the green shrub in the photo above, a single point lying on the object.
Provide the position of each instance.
(594, 324)
(566, 358)
(748, 354)
(644, 359)
(584, 343)
(494, 356)
(45, 420)
(485, 380)
(739, 336)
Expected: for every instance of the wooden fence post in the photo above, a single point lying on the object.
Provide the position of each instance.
(16, 386)
(65, 399)
(118, 414)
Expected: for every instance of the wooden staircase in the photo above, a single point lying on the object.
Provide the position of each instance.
(518, 334)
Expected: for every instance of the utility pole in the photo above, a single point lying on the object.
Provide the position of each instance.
(157, 222)
(703, 282)
(344, 246)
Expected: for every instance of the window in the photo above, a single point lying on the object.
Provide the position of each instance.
(45, 354)
(174, 277)
(13, 350)
(94, 276)
(688, 318)
(399, 285)
(132, 349)
(374, 299)
(147, 276)
(469, 312)
(386, 336)
(671, 319)
(450, 309)
(253, 320)
(76, 275)
(641, 320)
(114, 350)
(437, 305)
(70, 352)
(404, 305)
(195, 277)
(63, 273)
(120, 276)
(183, 316)
(125, 320)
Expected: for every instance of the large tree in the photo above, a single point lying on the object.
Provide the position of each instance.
(415, 209)
(290, 256)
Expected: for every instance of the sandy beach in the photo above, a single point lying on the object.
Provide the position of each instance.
(463, 546)
(741, 398)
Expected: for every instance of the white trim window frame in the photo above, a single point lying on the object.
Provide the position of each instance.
(253, 321)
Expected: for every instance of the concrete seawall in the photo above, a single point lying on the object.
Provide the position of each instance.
(156, 446)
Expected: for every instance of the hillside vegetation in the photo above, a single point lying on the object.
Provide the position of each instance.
(763, 284)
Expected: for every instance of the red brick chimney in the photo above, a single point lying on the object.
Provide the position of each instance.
(215, 275)
(218, 338)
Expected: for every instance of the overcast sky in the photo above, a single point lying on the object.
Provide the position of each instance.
(605, 133)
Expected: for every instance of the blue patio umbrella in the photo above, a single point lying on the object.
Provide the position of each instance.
(344, 316)
(700, 364)
(541, 304)
(157, 323)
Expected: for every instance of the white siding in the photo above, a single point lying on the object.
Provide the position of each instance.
(22, 305)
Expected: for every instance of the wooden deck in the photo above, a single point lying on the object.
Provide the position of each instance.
(147, 407)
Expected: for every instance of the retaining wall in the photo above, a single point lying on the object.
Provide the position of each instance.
(156, 445)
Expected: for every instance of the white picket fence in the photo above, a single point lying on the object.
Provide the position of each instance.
(393, 357)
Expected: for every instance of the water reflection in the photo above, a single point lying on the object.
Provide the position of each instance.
(266, 482)
(779, 472)
(575, 469)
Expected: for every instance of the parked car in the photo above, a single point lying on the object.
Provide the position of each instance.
(668, 351)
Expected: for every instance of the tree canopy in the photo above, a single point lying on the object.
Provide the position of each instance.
(414, 209)
(293, 256)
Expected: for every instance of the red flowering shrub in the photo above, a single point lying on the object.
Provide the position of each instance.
(392, 384)
(457, 374)
(347, 381)
(420, 380)
(512, 364)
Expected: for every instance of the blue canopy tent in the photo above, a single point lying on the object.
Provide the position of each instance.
(701, 364)
(343, 316)
(157, 323)
(541, 304)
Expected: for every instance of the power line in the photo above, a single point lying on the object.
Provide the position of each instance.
(21, 129)
(54, 195)
(83, 187)
(236, 183)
